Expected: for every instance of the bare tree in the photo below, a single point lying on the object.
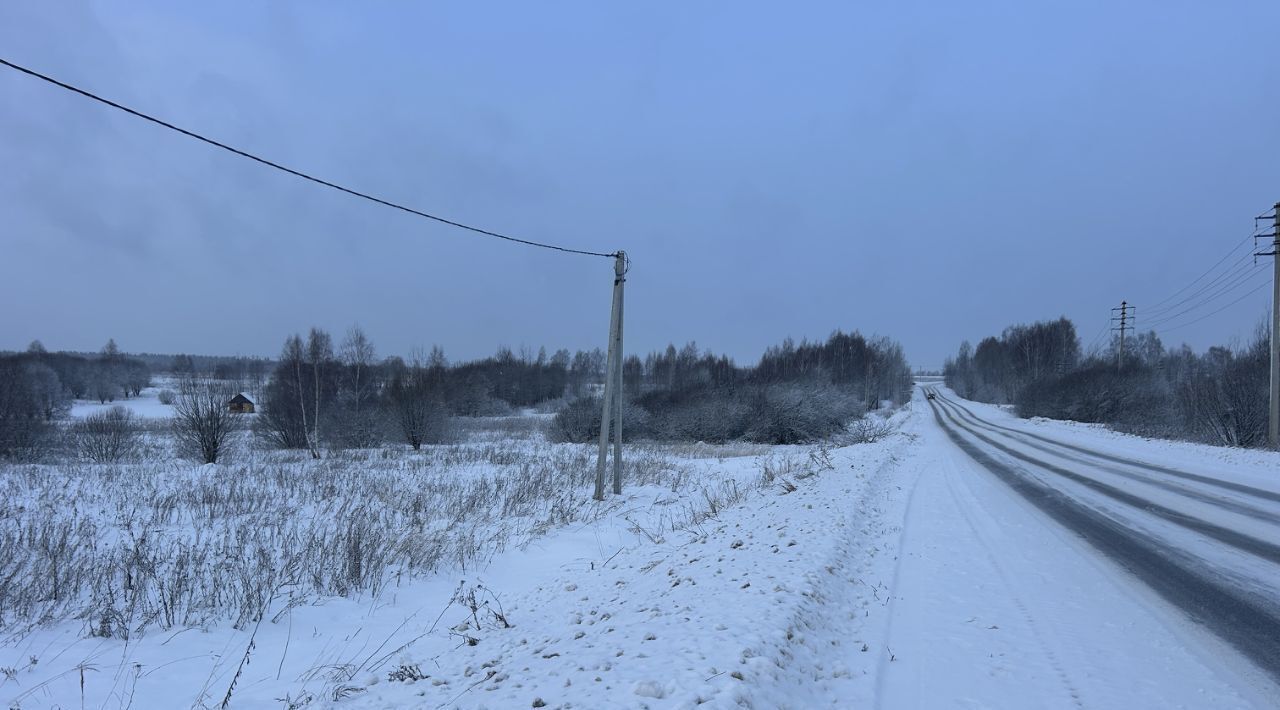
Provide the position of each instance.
(136, 376)
(355, 420)
(183, 365)
(358, 355)
(111, 351)
(25, 425)
(282, 419)
(319, 355)
(436, 360)
(107, 436)
(293, 354)
(203, 422)
(102, 384)
(416, 406)
(46, 391)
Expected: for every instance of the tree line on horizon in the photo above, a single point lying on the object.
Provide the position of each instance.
(1219, 396)
(37, 388)
(319, 394)
(793, 394)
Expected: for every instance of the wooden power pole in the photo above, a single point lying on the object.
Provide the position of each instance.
(613, 385)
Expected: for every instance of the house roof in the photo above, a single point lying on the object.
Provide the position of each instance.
(240, 399)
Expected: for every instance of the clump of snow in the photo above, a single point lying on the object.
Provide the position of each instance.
(650, 689)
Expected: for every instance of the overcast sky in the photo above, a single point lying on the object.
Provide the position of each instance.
(927, 171)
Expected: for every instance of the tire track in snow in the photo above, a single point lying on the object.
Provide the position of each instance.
(884, 657)
(1260, 548)
(984, 563)
(1055, 662)
(1177, 473)
(1234, 506)
(1225, 611)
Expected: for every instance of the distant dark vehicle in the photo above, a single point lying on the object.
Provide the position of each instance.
(930, 395)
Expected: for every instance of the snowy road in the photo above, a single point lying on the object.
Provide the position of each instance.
(1038, 564)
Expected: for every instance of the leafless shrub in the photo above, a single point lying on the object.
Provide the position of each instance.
(203, 422)
(869, 429)
(579, 421)
(167, 396)
(107, 436)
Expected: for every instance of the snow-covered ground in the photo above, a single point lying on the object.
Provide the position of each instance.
(764, 605)
(146, 405)
(897, 574)
(700, 582)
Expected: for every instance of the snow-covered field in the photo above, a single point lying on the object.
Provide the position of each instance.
(279, 581)
(894, 574)
(146, 405)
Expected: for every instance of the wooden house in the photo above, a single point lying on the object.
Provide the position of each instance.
(240, 404)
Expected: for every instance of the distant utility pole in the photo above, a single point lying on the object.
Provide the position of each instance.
(1125, 319)
(1273, 428)
(612, 409)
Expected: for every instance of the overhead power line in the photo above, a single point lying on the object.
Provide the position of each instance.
(1256, 289)
(1161, 307)
(291, 171)
(1098, 337)
(1241, 277)
(1211, 289)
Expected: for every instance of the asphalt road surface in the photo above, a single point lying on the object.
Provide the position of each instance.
(1206, 544)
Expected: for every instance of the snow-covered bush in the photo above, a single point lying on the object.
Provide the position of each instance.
(791, 414)
(579, 421)
(766, 414)
(869, 429)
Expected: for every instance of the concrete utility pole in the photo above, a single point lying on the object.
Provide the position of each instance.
(1273, 429)
(618, 394)
(612, 385)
